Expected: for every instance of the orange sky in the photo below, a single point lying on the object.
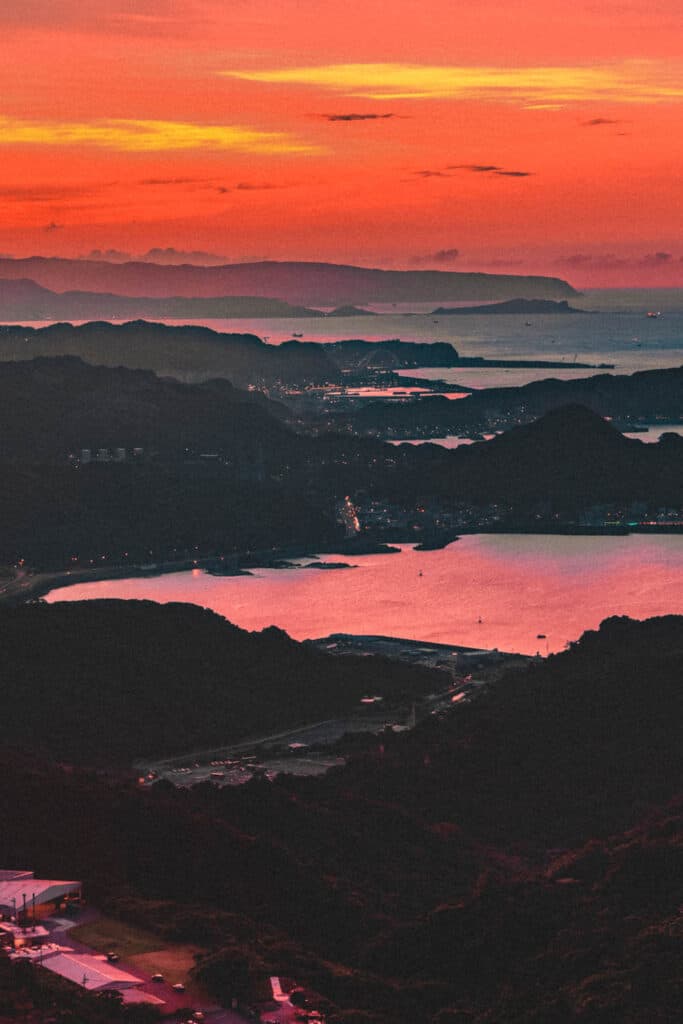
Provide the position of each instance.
(512, 134)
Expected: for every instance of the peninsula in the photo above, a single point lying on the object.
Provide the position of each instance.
(510, 306)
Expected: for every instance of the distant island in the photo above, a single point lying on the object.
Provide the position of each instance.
(526, 306)
(299, 283)
(23, 299)
(351, 311)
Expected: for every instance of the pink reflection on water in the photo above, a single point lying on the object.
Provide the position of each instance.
(519, 586)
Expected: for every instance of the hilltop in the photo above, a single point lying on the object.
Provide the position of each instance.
(152, 679)
(391, 354)
(300, 283)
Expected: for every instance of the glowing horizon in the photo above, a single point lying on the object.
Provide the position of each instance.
(482, 136)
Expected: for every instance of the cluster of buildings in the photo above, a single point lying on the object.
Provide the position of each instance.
(378, 516)
(636, 514)
(31, 930)
(88, 455)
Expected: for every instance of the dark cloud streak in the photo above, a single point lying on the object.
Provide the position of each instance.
(357, 117)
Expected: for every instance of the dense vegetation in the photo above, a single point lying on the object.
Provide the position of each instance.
(102, 682)
(518, 861)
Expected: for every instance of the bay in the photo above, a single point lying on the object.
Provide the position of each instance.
(483, 591)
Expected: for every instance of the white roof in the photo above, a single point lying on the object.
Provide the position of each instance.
(16, 890)
(39, 953)
(97, 971)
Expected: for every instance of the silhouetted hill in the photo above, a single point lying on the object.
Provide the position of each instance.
(151, 679)
(391, 354)
(650, 394)
(51, 407)
(183, 351)
(25, 300)
(218, 471)
(511, 306)
(569, 457)
(317, 284)
(518, 860)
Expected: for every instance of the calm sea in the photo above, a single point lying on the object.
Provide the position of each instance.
(617, 332)
(519, 586)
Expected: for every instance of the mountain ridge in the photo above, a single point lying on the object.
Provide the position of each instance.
(24, 299)
(324, 284)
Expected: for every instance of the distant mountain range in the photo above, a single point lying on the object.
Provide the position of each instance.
(298, 283)
(22, 299)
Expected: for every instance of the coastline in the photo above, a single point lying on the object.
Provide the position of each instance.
(33, 586)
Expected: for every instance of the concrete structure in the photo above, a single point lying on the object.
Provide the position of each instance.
(93, 973)
(16, 937)
(23, 896)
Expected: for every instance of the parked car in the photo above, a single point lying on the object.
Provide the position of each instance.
(178, 987)
(157, 977)
(113, 957)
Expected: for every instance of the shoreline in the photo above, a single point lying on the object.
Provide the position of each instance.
(33, 586)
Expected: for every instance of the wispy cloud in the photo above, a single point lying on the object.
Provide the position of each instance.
(108, 255)
(151, 17)
(441, 256)
(489, 169)
(147, 136)
(610, 260)
(171, 257)
(476, 168)
(595, 122)
(432, 174)
(174, 181)
(632, 81)
(357, 117)
(46, 193)
(249, 186)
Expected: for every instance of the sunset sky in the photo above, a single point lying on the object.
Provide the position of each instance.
(518, 135)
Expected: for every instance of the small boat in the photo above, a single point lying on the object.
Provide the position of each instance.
(653, 316)
(295, 335)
